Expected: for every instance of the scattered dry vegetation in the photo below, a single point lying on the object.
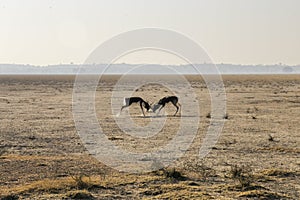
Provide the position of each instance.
(256, 157)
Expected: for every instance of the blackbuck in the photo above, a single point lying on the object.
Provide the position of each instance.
(162, 102)
(131, 100)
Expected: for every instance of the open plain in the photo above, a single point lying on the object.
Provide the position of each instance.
(256, 156)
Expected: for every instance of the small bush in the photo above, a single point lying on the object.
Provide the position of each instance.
(243, 175)
(81, 183)
(197, 167)
(173, 174)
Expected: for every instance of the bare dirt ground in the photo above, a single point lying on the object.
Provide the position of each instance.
(256, 157)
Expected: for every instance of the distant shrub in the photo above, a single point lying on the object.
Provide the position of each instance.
(208, 115)
(271, 138)
(226, 116)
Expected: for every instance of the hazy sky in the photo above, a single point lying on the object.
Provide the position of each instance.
(43, 32)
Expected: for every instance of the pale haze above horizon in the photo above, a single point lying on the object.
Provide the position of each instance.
(231, 31)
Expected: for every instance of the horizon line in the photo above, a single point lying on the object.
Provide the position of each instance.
(79, 64)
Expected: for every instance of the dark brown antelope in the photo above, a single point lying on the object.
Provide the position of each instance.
(162, 102)
(131, 100)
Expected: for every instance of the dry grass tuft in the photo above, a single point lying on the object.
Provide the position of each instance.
(49, 186)
(281, 149)
(183, 193)
(2, 151)
(262, 194)
(279, 173)
(9, 197)
(79, 194)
